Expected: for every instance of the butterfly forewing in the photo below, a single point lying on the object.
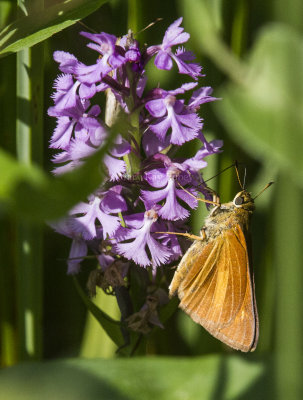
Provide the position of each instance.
(216, 289)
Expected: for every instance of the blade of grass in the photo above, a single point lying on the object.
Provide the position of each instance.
(29, 131)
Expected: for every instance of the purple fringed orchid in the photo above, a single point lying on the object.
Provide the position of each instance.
(147, 191)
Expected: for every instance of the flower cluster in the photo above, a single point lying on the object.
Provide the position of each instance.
(123, 219)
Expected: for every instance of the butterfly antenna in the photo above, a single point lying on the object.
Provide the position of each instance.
(148, 26)
(220, 172)
(266, 187)
(244, 178)
(238, 176)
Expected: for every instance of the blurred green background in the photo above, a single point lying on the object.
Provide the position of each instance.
(252, 54)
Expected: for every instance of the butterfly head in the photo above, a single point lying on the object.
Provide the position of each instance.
(244, 200)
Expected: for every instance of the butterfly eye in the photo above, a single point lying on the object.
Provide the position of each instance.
(238, 201)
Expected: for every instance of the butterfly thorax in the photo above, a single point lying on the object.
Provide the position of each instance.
(228, 215)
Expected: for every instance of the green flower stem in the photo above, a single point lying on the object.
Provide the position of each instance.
(29, 131)
(134, 7)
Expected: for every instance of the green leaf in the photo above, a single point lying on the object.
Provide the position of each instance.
(38, 26)
(208, 377)
(111, 326)
(29, 192)
(264, 115)
(168, 310)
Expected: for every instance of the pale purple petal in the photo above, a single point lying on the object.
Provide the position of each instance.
(86, 224)
(66, 60)
(201, 96)
(62, 133)
(77, 252)
(187, 198)
(156, 108)
(152, 144)
(174, 35)
(160, 129)
(163, 61)
(156, 177)
(93, 73)
(191, 69)
(121, 147)
(184, 88)
(151, 198)
(113, 203)
(116, 168)
(172, 210)
(181, 133)
(87, 91)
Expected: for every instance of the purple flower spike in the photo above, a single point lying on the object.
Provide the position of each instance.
(143, 192)
(136, 249)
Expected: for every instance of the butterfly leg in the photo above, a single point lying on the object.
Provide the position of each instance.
(188, 235)
(203, 234)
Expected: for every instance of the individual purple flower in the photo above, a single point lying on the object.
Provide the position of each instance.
(172, 113)
(65, 95)
(163, 60)
(78, 121)
(112, 58)
(167, 180)
(100, 208)
(141, 231)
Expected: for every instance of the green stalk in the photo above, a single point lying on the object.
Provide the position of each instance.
(29, 131)
(289, 295)
(133, 15)
(7, 275)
